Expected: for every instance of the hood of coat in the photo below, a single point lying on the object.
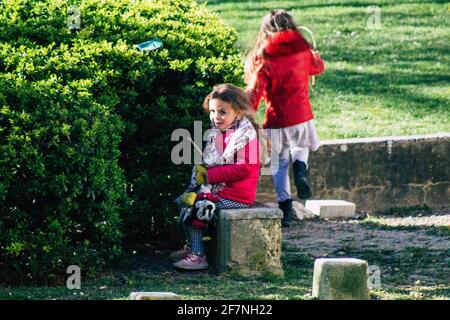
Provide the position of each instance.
(286, 42)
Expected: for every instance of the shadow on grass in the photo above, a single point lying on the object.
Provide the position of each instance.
(389, 85)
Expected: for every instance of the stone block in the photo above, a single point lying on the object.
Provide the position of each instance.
(247, 241)
(331, 209)
(298, 209)
(154, 296)
(340, 279)
(301, 212)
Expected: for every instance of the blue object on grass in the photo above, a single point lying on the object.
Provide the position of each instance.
(150, 45)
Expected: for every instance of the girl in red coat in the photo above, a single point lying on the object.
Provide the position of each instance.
(230, 165)
(278, 70)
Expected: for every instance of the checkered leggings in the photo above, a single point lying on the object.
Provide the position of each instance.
(194, 236)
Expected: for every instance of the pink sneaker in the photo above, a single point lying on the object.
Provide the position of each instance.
(192, 262)
(180, 254)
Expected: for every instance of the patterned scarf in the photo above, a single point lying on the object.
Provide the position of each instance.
(240, 134)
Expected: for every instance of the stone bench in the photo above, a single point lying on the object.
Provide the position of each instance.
(247, 241)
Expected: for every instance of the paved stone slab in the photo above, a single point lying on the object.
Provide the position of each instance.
(154, 296)
(331, 209)
(340, 279)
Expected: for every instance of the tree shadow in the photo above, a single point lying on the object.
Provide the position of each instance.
(379, 84)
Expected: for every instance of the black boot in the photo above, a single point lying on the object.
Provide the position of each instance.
(286, 207)
(303, 189)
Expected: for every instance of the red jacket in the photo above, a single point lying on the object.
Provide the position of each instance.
(241, 178)
(282, 80)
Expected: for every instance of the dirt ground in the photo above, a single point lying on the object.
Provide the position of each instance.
(319, 237)
(410, 249)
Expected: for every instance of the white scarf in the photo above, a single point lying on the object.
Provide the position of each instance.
(242, 132)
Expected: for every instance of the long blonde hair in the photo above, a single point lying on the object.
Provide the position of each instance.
(236, 97)
(275, 21)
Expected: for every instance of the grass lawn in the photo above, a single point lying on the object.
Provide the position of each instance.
(394, 80)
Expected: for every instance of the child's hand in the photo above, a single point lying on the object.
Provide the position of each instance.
(189, 198)
(200, 175)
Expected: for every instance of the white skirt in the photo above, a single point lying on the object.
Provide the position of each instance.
(302, 135)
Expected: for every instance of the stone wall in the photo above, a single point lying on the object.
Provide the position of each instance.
(378, 174)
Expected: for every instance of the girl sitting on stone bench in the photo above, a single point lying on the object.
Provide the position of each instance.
(230, 165)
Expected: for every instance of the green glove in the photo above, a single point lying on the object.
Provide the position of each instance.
(189, 198)
(200, 175)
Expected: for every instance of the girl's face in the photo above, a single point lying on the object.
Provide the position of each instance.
(222, 114)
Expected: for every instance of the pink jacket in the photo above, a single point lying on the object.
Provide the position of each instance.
(241, 178)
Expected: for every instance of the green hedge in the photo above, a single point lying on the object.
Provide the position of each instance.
(61, 185)
(86, 121)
